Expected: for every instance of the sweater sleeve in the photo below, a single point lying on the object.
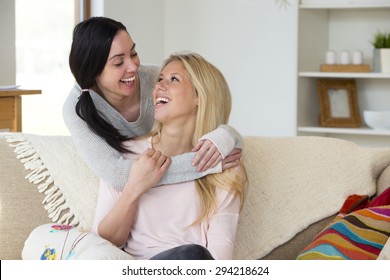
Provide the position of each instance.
(225, 138)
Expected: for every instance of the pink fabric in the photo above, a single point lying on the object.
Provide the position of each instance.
(382, 199)
(165, 214)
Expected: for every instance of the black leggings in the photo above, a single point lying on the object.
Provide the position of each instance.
(185, 252)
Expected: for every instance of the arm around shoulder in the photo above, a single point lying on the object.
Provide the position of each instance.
(225, 138)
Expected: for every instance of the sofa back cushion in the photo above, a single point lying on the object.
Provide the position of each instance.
(297, 181)
(294, 182)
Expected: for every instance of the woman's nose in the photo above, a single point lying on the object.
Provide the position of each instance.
(131, 66)
(161, 84)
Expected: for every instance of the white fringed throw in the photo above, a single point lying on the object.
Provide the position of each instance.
(69, 186)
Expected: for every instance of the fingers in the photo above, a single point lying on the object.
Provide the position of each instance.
(207, 155)
(161, 160)
(197, 146)
(166, 164)
(149, 152)
(230, 164)
(208, 161)
(201, 150)
(232, 160)
(235, 152)
(233, 157)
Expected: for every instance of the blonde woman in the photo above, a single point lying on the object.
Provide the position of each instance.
(191, 220)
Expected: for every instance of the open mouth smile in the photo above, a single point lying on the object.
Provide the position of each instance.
(128, 80)
(162, 100)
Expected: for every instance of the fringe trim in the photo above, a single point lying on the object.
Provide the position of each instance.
(54, 201)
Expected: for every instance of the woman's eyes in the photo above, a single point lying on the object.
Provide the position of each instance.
(120, 62)
(171, 79)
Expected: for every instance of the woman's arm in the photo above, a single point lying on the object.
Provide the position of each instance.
(223, 143)
(112, 167)
(116, 210)
(223, 226)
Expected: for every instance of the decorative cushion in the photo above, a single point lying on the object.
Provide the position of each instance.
(360, 235)
(65, 242)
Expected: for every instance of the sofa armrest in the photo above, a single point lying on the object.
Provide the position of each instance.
(21, 205)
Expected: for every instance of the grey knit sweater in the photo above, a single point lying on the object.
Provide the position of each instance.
(109, 164)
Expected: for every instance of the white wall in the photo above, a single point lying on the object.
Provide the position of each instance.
(253, 42)
(145, 22)
(7, 35)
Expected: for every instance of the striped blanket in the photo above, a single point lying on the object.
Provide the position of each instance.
(359, 235)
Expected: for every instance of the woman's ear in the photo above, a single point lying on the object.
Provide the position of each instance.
(196, 98)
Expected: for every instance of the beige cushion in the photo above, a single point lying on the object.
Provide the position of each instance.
(384, 180)
(297, 181)
(294, 182)
(291, 249)
(21, 205)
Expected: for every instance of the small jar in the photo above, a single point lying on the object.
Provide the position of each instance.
(345, 57)
(331, 57)
(357, 57)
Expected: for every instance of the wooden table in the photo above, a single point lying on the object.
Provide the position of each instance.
(11, 108)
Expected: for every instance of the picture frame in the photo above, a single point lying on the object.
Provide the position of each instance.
(338, 103)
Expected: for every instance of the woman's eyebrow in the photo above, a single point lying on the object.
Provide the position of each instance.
(121, 54)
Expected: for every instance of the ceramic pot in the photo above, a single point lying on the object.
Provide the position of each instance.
(381, 60)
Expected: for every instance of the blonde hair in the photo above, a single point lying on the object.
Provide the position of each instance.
(214, 106)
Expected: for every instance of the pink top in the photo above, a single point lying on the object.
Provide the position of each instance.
(165, 214)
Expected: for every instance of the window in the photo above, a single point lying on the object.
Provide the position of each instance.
(43, 38)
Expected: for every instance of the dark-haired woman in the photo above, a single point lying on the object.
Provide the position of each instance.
(112, 102)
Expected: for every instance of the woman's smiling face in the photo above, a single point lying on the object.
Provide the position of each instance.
(174, 95)
(119, 76)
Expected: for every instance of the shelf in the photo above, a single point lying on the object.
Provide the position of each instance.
(344, 4)
(357, 75)
(340, 25)
(351, 131)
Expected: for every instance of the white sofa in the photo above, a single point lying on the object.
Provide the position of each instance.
(297, 186)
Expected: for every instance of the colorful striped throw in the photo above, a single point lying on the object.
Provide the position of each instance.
(359, 235)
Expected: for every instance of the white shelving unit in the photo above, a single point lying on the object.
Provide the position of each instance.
(341, 25)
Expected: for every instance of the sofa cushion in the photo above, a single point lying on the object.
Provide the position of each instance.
(360, 235)
(298, 181)
(293, 183)
(57, 171)
(384, 180)
(291, 249)
(21, 205)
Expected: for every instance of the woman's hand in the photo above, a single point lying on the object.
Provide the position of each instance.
(232, 160)
(208, 156)
(146, 171)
